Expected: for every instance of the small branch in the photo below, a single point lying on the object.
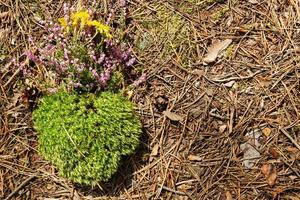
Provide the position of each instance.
(23, 184)
(290, 137)
(174, 191)
(236, 78)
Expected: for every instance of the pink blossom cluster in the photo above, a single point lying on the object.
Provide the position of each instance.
(88, 63)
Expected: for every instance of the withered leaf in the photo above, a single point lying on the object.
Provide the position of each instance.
(222, 128)
(172, 116)
(154, 151)
(4, 14)
(266, 131)
(215, 49)
(228, 195)
(270, 174)
(194, 158)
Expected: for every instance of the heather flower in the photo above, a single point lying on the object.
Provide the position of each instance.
(140, 80)
(81, 52)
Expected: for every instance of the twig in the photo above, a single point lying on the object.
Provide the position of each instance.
(290, 137)
(20, 187)
(174, 191)
(236, 78)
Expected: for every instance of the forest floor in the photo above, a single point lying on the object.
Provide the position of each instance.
(220, 108)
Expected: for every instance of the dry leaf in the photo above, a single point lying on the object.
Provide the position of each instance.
(184, 187)
(270, 173)
(4, 33)
(228, 195)
(194, 158)
(272, 178)
(129, 94)
(266, 132)
(273, 151)
(229, 84)
(4, 14)
(215, 49)
(154, 151)
(292, 149)
(278, 191)
(222, 128)
(172, 116)
(76, 196)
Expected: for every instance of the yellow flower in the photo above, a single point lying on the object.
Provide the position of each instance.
(62, 22)
(81, 17)
(100, 27)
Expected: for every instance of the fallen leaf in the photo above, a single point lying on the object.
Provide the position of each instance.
(173, 116)
(251, 155)
(4, 14)
(184, 187)
(228, 195)
(129, 94)
(4, 33)
(273, 151)
(194, 158)
(277, 191)
(266, 131)
(222, 128)
(272, 178)
(229, 84)
(215, 49)
(76, 196)
(293, 177)
(292, 149)
(154, 151)
(270, 174)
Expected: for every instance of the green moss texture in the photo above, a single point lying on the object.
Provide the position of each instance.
(85, 136)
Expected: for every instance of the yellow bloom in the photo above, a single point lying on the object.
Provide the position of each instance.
(100, 27)
(81, 17)
(62, 22)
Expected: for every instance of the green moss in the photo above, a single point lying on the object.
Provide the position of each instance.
(168, 29)
(85, 136)
(221, 13)
(229, 51)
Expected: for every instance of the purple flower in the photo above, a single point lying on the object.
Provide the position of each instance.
(123, 3)
(140, 80)
(130, 62)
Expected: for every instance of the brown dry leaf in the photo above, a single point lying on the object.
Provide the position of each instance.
(265, 169)
(4, 14)
(154, 151)
(173, 116)
(3, 33)
(215, 49)
(229, 84)
(184, 187)
(222, 128)
(194, 158)
(129, 94)
(253, 1)
(292, 149)
(228, 195)
(270, 174)
(273, 151)
(266, 131)
(76, 196)
(277, 191)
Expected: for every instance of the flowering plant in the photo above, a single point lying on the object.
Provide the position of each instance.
(82, 53)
